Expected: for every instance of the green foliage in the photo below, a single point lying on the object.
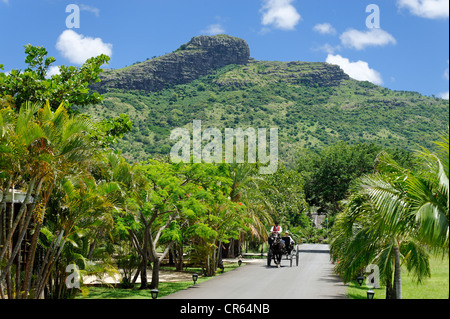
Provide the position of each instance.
(112, 129)
(269, 94)
(288, 199)
(328, 173)
(393, 217)
(44, 153)
(70, 87)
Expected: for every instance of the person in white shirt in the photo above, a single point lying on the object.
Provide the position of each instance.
(288, 238)
(287, 235)
(275, 230)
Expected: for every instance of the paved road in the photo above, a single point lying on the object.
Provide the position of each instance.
(312, 279)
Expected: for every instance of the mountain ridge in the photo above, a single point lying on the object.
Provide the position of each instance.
(197, 58)
(313, 104)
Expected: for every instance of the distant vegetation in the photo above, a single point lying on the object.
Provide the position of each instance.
(277, 94)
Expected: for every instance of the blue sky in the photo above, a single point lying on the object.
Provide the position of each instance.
(407, 48)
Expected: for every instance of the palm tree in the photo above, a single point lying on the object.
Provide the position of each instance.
(379, 226)
(428, 195)
(46, 146)
(82, 210)
(23, 167)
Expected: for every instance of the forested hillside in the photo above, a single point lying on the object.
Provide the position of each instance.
(312, 104)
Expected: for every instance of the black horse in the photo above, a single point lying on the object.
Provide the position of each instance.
(276, 250)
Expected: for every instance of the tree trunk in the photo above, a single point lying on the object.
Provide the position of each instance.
(179, 259)
(91, 249)
(171, 257)
(9, 284)
(136, 275)
(144, 283)
(155, 274)
(156, 263)
(17, 246)
(11, 228)
(45, 274)
(30, 262)
(33, 246)
(397, 275)
(220, 259)
(143, 272)
(389, 290)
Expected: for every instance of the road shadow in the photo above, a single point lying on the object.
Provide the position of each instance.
(333, 279)
(314, 251)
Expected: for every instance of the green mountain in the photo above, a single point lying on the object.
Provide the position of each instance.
(213, 79)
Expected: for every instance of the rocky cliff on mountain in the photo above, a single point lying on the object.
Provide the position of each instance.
(191, 61)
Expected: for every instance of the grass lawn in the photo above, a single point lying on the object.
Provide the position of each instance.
(436, 287)
(165, 288)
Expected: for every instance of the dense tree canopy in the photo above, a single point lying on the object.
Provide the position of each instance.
(34, 84)
(329, 172)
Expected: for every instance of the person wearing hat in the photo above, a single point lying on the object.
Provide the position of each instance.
(288, 239)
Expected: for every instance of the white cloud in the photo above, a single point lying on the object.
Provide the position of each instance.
(444, 95)
(328, 48)
(77, 48)
(324, 28)
(430, 9)
(214, 29)
(280, 13)
(359, 70)
(53, 70)
(359, 40)
(94, 10)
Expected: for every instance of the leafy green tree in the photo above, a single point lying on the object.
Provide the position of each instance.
(248, 187)
(70, 87)
(287, 197)
(81, 209)
(43, 147)
(50, 151)
(110, 130)
(329, 172)
(165, 198)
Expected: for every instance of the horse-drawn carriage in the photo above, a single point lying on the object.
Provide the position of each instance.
(279, 247)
